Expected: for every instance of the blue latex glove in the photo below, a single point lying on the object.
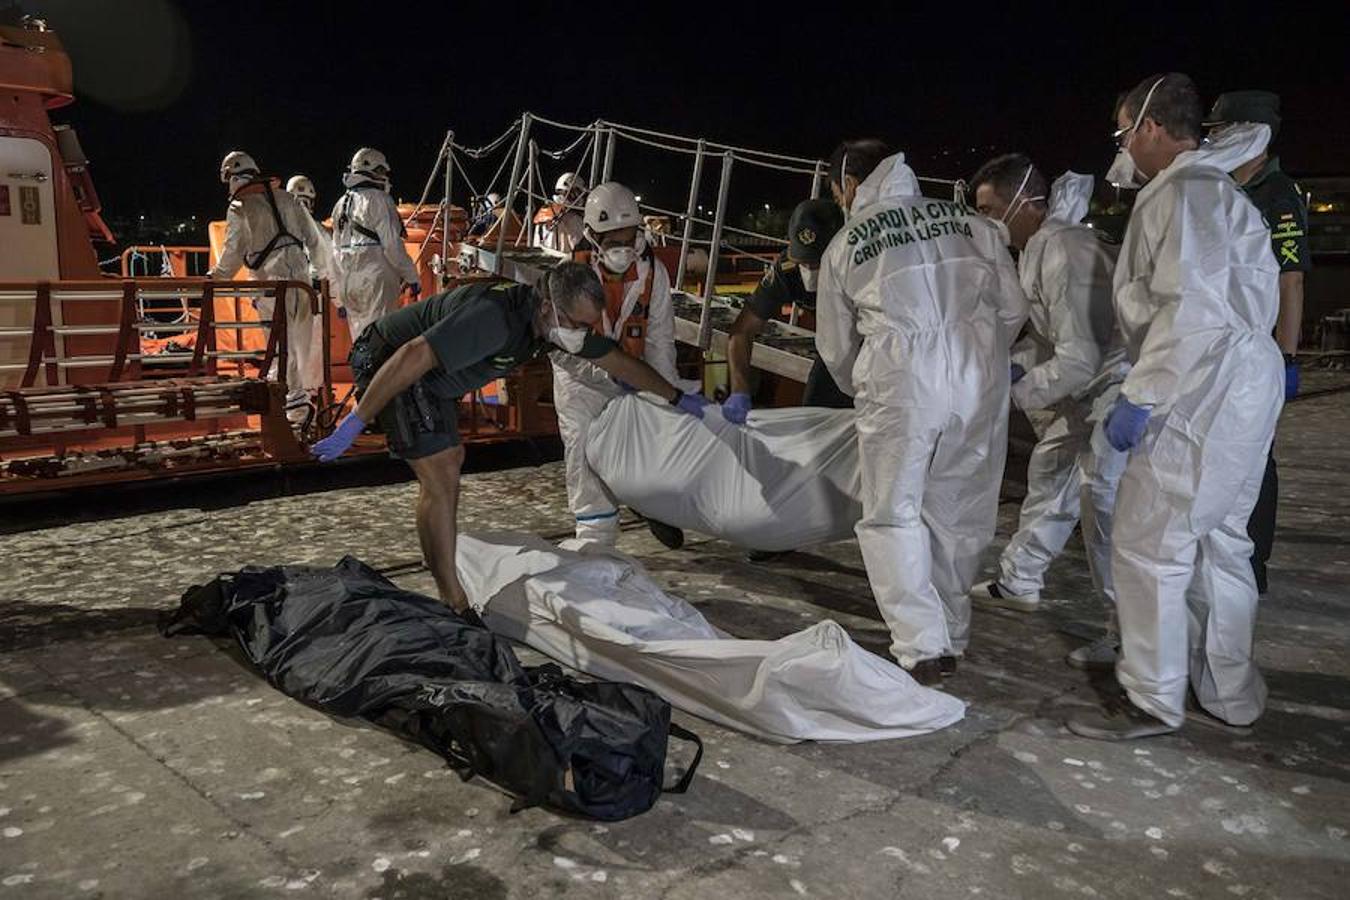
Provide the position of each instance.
(1125, 424)
(736, 408)
(1017, 373)
(414, 288)
(692, 404)
(1290, 381)
(340, 441)
(342, 312)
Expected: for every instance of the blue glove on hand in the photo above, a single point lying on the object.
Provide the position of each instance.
(1125, 424)
(691, 403)
(736, 408)
(340, 441)
(1290, 381)
(1017, 373)
(414, 288)
(342, 312)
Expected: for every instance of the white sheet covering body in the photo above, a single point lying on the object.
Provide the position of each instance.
(596, 610)
(787, 479)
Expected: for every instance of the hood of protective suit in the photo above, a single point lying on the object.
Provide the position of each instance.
(890, 179)
(1070, 196)
(1231, 148)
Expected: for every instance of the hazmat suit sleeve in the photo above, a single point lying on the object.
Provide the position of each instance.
(1074, 282)
(1184, 290)
(659, 350)
(237, 236)
(390, 229)
(318, 246)
(837, 338)
(1011, 301)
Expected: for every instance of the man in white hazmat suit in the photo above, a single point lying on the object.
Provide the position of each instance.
(373, 266)
(558, 225)
(302, 189)
(917, 306)
(1197, 291)
(639, 317)
(268, 233)
(1067, 384)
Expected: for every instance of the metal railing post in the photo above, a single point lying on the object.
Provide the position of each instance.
(817, 181)
(705, 316)
(531, 167)
(689, 215)
(595, 157)
(519, 161)
(609, 156)
(445, 214)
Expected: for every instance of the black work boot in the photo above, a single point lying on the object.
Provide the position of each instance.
(926, 672)
(947, 665)
(669, 535)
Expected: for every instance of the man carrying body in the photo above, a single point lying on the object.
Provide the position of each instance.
(373, 265)
(638, 317)
(790, 281)
(1079, 361)
(269, 233)
(1196, 291)
(414, 365)
(1280, 201)
(918, 304)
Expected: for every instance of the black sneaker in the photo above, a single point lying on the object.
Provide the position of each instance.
(947, 665)
(926, 672)
(669, 535)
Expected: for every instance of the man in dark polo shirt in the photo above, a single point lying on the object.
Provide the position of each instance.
(1280, 201)
(413, 365)
(790, 280)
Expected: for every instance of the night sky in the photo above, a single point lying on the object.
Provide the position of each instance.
(166, 88)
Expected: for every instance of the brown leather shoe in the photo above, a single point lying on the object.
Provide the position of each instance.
(926, 672)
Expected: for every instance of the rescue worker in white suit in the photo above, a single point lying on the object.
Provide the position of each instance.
(1196, 292)
(269, 233)
(639, 317)
(373, 266)
(917, 306)
(559, 225)
(1066, 383)
(302, 189)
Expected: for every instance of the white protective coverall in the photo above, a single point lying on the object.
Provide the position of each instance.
(1197, 292)
(1066, 271)
(250, 225)
(562, 233)
(372, 263)
(917, 306)
(581, 390)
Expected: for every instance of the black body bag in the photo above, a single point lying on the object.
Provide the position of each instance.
(351, 643)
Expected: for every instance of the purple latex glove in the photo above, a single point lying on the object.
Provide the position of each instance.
(1017, 373)
(1291, 379)
(413, 287)
(736, 408)
(1125, 424)
(342, 312)
(691, 403)
(340, 441)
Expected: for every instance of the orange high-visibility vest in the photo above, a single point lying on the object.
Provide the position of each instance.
(632, 338)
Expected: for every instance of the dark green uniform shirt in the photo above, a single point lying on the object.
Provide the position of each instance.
(479, 332)
(781, 286)
(1280, 201)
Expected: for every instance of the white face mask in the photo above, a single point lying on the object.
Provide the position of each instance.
(618, 259)
(1123, 172)
(810, 278)
(569, 339)
(1004, 235)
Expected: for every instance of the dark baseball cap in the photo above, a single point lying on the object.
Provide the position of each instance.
(813, 224)
(1246, 106)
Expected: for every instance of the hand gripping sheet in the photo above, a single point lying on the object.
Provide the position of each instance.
(787, 479)
(597, 611)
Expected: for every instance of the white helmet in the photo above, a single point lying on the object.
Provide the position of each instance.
(367, 161)
(303, 190)
(237, 164)
(568, 188)
(610, 207)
